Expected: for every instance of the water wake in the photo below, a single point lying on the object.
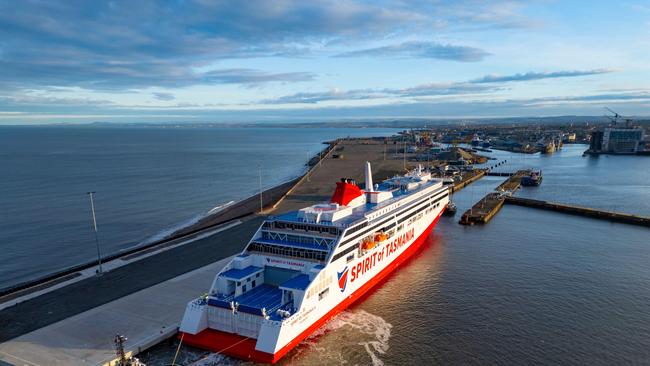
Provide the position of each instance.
(370, 331)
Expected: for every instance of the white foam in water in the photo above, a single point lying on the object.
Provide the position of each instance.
(220, 207)
(166, 232)
(214, 359)
(193, 220)
(374, 332)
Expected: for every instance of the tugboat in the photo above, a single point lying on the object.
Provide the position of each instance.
(534, 179)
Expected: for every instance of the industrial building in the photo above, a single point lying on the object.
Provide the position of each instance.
(617, 140)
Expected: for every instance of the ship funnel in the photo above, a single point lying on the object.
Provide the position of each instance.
(369, 186)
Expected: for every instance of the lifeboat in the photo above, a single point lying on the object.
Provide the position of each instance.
(379, 237)
(368, 244)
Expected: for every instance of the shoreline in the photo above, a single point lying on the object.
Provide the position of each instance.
(239, 209)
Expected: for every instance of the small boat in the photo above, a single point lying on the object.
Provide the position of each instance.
(534, 179)
(451, 209)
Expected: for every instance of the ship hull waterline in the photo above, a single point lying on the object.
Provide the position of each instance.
(237, 346)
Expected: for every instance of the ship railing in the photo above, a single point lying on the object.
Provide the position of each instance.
(274, 316)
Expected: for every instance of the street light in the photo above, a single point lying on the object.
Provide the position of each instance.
(261, 201)
(99, 255)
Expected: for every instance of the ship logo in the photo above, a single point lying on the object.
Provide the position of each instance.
(343, 278)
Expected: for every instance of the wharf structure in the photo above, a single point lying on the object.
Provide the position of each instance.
(485, 209)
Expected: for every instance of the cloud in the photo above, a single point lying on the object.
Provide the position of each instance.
(537, 76)
(248, 76)
(364, 94)
(317, 97)
(485, 84)
(125, 44)
(119, 76)
(163, 96)
(422, 50)
(435, 89)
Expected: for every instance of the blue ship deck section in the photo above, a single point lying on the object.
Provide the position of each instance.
(261, 297)
(222, 303)
(238, 274)
(297, 283)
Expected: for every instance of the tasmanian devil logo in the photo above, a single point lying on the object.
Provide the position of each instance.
(343, 278)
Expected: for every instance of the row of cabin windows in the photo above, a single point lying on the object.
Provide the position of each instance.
(299, 226)
(434, 204)
(375, 227)
(357, 228)
(288, 251)
(372, 229)
(323, 282)
(390, 208)
(292, 238)
(417, 212)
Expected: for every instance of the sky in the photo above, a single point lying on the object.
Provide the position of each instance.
(258, 60)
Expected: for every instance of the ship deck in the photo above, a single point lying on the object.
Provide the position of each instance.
(358, 213)
(264, 296)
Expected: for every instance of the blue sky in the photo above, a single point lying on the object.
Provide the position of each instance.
(256, 60)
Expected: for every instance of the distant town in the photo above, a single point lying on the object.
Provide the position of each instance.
(620, 136)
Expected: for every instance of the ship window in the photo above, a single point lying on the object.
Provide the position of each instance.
(323, 293)
(238, 283)
(350, 258)
(243, 289)
(253, 284)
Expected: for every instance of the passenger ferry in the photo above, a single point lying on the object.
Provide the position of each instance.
(302, 268)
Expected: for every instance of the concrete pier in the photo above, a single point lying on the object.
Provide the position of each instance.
(468, 178)
(499, 174)
(483, 210)
(580, 211)
(513, 183)
(145, 317)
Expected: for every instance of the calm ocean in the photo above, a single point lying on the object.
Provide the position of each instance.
(148, 180)
(530, 288)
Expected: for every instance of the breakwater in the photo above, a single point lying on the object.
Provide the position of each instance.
(580, 211)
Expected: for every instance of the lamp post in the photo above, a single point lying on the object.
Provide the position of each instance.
(99, 255)
(261, 201)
